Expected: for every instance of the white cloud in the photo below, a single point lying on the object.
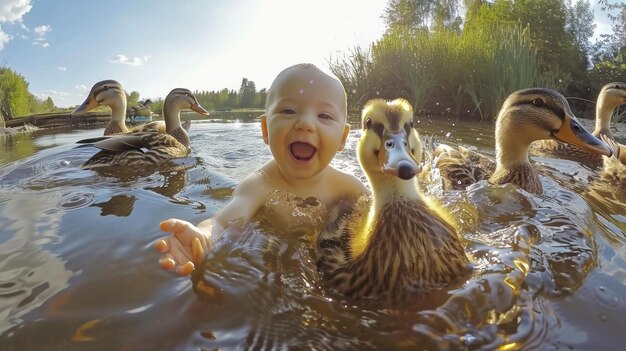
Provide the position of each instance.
(42, 30)
(41, 42)
(61, 68)
(12, 11)
(135, 61)
(82, 88)
(4, 38)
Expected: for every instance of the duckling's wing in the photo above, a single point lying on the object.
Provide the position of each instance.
(460, 167)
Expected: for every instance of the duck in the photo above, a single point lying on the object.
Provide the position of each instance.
(396, 240)
(526, 116)
(111, 93)
(610, 97)
(142, 108)
(142, 149)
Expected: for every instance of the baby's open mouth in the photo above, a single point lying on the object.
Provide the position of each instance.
(302, 151)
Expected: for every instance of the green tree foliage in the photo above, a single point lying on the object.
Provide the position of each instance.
(14, 89)
(247, 93)
(421, 15)
(609, 59)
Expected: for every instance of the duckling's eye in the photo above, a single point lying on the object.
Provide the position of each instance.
(411, 124)
(405, 143)
(389, 144)
(368, 123)
(538, 102)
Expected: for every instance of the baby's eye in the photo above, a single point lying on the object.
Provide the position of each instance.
(288, 111)
(325, 116)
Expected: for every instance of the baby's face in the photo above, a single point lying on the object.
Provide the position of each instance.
(305, 123)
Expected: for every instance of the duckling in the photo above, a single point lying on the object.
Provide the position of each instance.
(526, 116)
(110, 93)
(148, 148)
(399, 240)
(611, 96)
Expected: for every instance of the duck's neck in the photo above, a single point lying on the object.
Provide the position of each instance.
(118, 118)
(388, 188)
(511, 152)
(171, 115)
(604, 112)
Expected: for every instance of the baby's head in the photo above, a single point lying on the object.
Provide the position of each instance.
(305, 120)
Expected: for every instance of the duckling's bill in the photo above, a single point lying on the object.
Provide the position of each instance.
(395, 159)
(573, 133)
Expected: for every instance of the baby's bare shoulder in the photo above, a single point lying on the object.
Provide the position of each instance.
(347, 184)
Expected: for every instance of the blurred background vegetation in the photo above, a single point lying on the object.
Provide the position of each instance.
(463, 57)
(448, 57)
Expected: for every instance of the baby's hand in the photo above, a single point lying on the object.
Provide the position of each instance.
(183, 249)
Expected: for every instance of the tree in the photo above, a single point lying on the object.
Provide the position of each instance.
(14, 89)
(247, 93)
(421, 15)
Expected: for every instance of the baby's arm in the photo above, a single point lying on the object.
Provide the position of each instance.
(186, 245)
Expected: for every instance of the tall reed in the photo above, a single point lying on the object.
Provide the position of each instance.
(445, 71)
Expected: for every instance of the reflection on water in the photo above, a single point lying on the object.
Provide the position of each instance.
(77, 268)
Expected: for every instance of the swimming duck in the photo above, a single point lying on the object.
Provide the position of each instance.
(142, 109)
(399, 240)
(110, 93)
(526, 116)
(148, 148)
(611, 96)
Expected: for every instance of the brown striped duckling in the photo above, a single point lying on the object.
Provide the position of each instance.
(526, 116)
(398, 240)
(148, 148)
(611, 96)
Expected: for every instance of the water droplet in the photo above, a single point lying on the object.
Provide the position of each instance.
(74, 201)
(353, 91)
(301, 91)
(448, 134)
(64, 163)
(604, 317)
(602, 288)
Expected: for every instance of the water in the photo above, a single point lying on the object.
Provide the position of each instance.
(78, 270)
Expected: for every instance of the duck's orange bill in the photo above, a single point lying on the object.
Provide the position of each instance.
(573, 133)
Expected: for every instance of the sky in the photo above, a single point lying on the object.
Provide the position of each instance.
(63, 47)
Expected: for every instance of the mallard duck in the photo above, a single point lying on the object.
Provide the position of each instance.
(142, 109)
(399, 240)
(110, 93)
(611, 96)
(527, 115)
(140, 149)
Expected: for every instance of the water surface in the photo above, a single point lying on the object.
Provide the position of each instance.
(78, 270)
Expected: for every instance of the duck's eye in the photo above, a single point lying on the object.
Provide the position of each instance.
(538, 102)
(389, 144)
(576, 127)
(405, 143)
(368, 123)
